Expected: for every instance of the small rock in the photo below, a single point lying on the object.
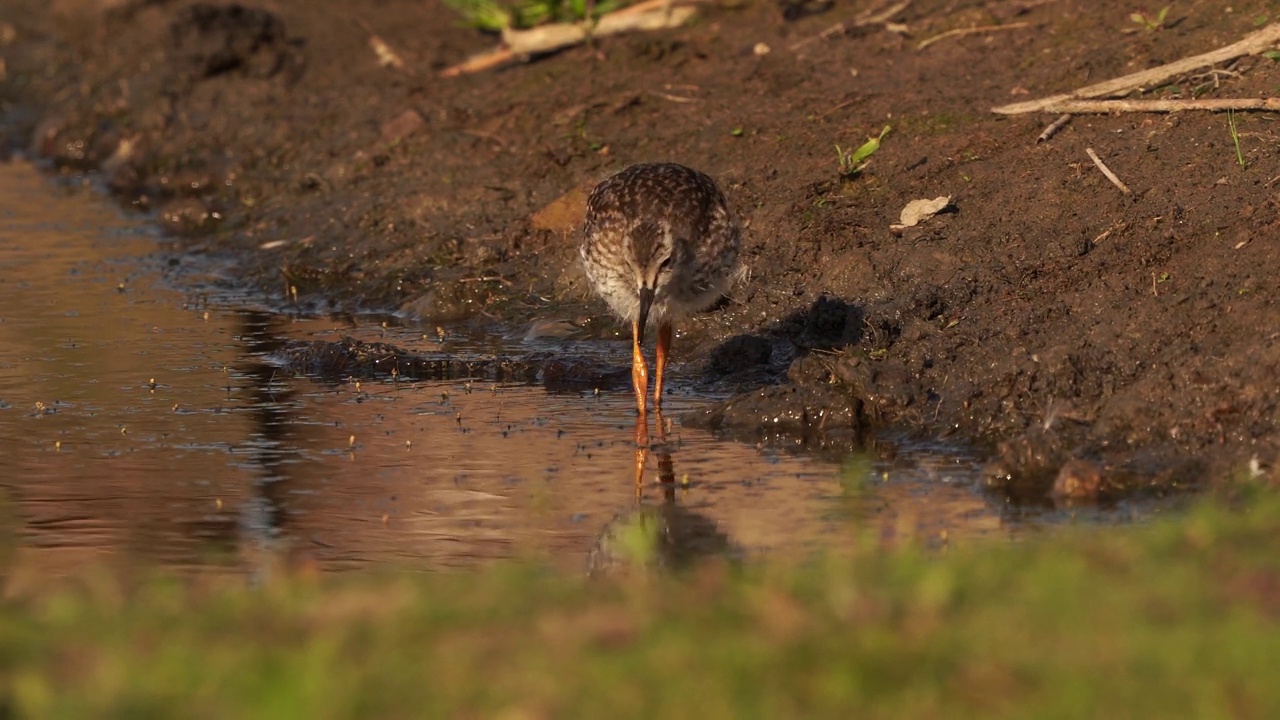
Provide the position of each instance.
(402, 126)
(562, 214)
(809, 369)
(123, 168)
(1023, 466)
(126, 150)
(1078, 480)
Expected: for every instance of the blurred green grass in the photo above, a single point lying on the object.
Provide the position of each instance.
(497, 15)
(1174, 619)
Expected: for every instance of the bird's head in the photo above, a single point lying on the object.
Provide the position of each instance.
(653, 247)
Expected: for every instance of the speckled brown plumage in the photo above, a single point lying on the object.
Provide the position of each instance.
(659, 242)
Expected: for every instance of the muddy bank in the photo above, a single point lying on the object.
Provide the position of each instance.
(1048, 316)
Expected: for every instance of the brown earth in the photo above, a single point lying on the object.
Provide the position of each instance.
(1047, 315)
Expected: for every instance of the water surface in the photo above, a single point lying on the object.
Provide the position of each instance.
(143, 419)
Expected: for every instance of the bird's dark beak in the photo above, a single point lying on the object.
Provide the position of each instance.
(646, 300)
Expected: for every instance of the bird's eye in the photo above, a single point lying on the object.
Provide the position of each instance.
(665, 265)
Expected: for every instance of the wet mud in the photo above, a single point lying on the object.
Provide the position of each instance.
(1096, 344)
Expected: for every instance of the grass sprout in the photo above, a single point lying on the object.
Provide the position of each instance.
(1235, 136)
(851, 162)
(1151, 24)
(482, 14)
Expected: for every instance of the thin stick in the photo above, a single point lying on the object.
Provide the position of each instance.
(1107, 233)
(1087, 107)
(485, 61)
(673, 98)
(1054, 127)
(1107, 171)
(387, 56)
(958, 32)
(838, 108)
(1257, 42)
(872, 17)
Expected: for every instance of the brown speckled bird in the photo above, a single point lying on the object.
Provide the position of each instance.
(659, 242)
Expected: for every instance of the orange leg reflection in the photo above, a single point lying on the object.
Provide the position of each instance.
(642, 451)
(666, 467)
(663, 350)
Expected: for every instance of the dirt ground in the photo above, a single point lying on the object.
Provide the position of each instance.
(1047, 315)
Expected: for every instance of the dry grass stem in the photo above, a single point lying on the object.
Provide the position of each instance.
(959, 32)
(879, 17)
(673, 98)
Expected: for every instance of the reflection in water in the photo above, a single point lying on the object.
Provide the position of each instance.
(269, 444)
(148, 423)
(666, 470)
(667, 534)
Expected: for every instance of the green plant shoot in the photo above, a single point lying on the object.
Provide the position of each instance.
(852, 162)
(1235, 136)
(1151, 24)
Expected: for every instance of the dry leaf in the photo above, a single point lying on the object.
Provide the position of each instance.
(917, 211)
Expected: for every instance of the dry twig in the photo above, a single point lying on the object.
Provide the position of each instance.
(1107, 171)
(1087, 107)
(672, 97)
(1257, 42)
(1121, 225)
(387, 56)
(958, 32)
(879, 17)
(517, 44)
(1054, 127)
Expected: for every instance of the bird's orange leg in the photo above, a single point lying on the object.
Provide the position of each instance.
(639, 371)
(664, 348)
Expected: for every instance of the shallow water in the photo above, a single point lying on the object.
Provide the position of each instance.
(143, 420)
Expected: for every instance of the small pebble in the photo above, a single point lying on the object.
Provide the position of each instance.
(1078, 480)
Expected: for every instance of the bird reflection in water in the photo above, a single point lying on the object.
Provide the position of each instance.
(664, 535)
